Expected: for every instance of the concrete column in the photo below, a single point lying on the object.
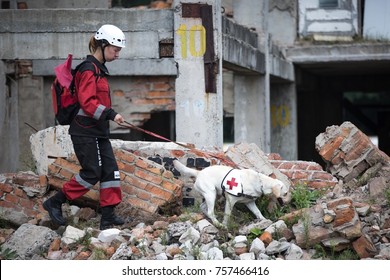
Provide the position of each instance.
(284, 134)
(249, 110)
(252, 119)
(9, 126)
(199, 113)
(30, 121)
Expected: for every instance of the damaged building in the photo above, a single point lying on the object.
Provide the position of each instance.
(276, 75)
(297, 90)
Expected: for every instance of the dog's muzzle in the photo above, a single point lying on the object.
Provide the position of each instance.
(280, 201)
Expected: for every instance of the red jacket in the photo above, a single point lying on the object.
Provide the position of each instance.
(93, 93)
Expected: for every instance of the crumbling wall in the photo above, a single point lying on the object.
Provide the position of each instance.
(349, 153)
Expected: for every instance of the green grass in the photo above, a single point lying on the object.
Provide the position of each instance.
(303, 197)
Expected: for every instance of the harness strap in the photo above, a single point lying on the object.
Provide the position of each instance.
(223, 180)
(239, 194)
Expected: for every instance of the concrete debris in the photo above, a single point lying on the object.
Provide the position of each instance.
(352, 216)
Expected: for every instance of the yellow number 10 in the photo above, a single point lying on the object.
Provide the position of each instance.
(183, 33)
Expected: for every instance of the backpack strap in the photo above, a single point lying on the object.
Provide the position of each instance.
(85, 66)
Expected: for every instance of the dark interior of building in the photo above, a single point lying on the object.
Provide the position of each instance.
(331, 93)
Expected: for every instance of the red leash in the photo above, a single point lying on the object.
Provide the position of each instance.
(224, 159)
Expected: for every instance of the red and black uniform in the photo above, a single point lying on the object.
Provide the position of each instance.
(90, 136)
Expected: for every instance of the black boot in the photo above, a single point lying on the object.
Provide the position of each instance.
(53, 206)
(109, 218)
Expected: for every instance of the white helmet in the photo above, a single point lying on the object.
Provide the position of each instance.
(112, 34)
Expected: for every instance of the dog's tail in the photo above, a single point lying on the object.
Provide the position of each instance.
(184, 170)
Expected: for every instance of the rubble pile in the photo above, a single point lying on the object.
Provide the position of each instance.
(352, 216)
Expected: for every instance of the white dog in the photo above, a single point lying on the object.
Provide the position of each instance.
(239, 185)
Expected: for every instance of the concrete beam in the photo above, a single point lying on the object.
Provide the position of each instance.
(240, 57)
(83, 20)
(338, 53)
(48, 34)
(281, 68)
(240, 49)
(120, 67)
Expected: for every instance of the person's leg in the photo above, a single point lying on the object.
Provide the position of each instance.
(86, 150)
(110, 191)
(53, 205)
(88, 154)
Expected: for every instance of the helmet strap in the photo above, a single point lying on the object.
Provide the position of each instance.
(103, 44)
(103, 48)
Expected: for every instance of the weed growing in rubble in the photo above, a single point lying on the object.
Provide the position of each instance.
(303, 197)
(332, 254)
(253, 234)
(347, 254)
(320, 252)
(85, 240)
(387, 196)
(98, 254)
(7, 254)
(306, 228)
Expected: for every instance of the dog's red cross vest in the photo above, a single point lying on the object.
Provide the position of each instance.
(231, 183)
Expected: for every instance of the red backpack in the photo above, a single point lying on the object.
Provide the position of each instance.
(64, 98)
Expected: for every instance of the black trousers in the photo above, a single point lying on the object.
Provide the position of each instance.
(98, 164)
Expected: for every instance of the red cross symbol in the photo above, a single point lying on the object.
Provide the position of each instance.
(232, 183)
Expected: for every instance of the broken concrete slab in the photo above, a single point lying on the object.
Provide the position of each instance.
(250, 156)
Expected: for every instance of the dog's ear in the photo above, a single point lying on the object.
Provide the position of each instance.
(276, 190)
(267, 189)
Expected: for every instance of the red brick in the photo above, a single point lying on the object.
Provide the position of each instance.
(6, 188)
(11, 198)
(73, 167)
(161, 193)
(167, 174)
(364, 247)
(66, 174)
(7, 204)
(299, 175)
(128, 189)
(161, 86)
(30, 212)
(54, 168)
(20, 193)
(158, 201)
(343, 216)
(27, 203)
(314, 166)
(160, 79)
(177, 153)
(328, 151)
(136, 182)
(334, 203)
(289, 174)
(148, 176)
(143, 195)
(137, 203)
(170, 186)
(125, 156)
(56, 182)
(118, 93)
(159, 94)
(126, 168)
(338, 159)
(286, 165)
(321, 184)
(324, 176)
(357, 151)
(43, 180)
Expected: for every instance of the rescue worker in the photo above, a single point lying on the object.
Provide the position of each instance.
(89, 132)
